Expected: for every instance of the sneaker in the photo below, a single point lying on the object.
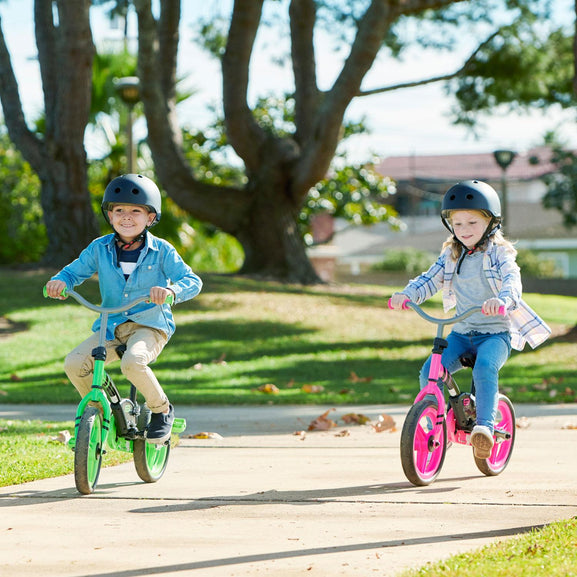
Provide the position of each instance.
(160, 427)
(482, 441)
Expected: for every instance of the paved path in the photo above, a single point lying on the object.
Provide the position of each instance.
(262, 501)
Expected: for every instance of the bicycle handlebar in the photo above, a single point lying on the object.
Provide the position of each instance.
(408, 304)
(79, 298)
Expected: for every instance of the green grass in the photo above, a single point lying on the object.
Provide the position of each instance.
(30, 450)
(240, 334)
(550, 551)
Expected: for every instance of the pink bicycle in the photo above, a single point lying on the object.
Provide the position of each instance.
(432, 424)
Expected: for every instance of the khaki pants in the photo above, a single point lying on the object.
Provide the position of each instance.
(143, 345)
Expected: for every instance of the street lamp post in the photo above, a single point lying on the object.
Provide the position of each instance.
(128, 89)
(504, 158)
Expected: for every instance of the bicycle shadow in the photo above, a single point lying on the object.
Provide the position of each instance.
(361, 493)
(356, 494)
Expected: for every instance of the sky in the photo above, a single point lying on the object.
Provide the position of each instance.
(409, 122)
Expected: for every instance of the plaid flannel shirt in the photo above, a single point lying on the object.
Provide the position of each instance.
(504, 277)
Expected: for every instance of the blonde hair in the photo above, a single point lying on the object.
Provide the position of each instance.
(496, 238)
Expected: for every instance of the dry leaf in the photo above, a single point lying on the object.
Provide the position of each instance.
(15, 378)
(3, 393)
(523, 423)
(343, 433)
(354, 378)
(204, 435)
(322, 423)
(312, 389)
(290, 384)
(357, 418)
(220, 360)
(62, 437)
(301, 434)
(385, 423)
(269, 389)
(198, 367)
(570, 426)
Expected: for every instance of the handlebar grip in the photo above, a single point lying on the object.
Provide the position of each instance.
(169, 300)
(404, 306)
(64, 292)
(502, 310)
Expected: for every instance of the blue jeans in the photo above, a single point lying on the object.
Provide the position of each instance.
(492, 352)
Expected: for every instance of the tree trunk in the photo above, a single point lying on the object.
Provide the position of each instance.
(65, 53)
(70, 221)
(270, 237)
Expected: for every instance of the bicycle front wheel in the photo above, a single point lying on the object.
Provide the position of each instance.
(88, 451)
(503, 447)
(423, 443)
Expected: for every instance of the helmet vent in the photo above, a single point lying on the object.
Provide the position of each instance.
(135, 191)
(117, 189)
(470, 197)
(452, 197)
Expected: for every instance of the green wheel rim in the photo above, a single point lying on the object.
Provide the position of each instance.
(156, 458)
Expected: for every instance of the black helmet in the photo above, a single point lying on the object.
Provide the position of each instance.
(471, 195)
(132, 189)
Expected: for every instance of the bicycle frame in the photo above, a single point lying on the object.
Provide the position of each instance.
(102, 382)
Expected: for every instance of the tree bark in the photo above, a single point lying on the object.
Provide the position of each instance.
(65, 53)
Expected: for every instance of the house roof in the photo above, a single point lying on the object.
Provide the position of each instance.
(528, 165)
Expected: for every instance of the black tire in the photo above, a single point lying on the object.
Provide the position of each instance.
(150, 460)
(88, 451)
(503, 449)
(423, 455)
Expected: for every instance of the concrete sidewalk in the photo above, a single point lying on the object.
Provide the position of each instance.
(263, 501)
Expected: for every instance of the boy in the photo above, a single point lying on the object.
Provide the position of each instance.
(131, 263)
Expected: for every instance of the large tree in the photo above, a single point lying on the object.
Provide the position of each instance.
(57, 155)
(280, 168)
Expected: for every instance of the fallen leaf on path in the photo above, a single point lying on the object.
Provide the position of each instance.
(522, 423)
(204, 435)
(570, 426)
(322, 422)
(385, 423)
(357, 418)
(343, 433)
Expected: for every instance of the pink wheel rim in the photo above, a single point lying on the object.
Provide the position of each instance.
(501, 450)
(428, 444)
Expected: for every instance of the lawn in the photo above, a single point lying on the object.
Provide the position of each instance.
(240, 335)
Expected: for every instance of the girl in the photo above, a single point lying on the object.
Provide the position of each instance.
(477, 267)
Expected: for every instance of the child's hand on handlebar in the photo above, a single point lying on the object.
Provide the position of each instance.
(54, 289)
(397, 300)
(158, 295)
(493, 307)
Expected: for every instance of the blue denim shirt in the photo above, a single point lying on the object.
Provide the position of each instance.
(159, 265)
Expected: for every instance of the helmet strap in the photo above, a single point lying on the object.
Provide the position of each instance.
(127, 245)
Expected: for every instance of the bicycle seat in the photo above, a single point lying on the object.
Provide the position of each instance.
(468, 359)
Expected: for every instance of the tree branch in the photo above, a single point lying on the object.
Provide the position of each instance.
(433, 79)
(22, 137)
(302, 21)
(244, 134)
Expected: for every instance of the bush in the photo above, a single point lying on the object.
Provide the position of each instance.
(409, 260)
(532, 264)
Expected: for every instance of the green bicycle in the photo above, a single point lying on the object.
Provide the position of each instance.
(106, 420)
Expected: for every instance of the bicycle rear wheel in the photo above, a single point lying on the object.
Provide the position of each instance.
(503, 447)
(88, 451)
(150, 460)
(423, 443)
